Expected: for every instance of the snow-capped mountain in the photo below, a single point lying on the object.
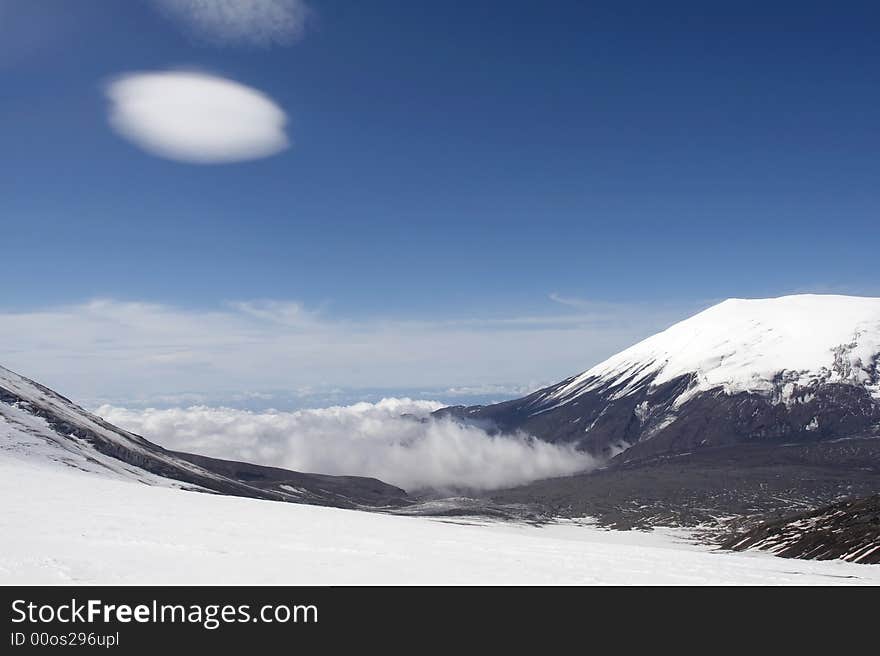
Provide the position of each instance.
(800, 367)
(39, 426)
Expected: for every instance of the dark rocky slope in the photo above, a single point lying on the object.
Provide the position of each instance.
(710, 486)
(849, 530)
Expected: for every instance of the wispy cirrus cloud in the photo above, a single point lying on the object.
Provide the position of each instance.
(195, 117)
(286, 313)
(240, 22)
(591, 306)
(571, 301)
(121, 350)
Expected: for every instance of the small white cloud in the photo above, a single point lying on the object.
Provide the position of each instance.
(195, 117)
(241, 22)
(395, 440)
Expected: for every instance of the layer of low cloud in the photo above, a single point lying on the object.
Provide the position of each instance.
(112, 351)
(195, 117)
(240, 22)
(393, 440)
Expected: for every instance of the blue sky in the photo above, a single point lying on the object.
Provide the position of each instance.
(449, 162)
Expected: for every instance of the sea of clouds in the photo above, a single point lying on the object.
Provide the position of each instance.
(395, 440)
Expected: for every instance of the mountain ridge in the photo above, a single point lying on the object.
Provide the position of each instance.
(36, 421)
(800, 368)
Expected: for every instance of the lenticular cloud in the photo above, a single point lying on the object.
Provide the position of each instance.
(195, 117)
(395, 440)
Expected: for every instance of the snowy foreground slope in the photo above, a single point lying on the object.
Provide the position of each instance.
(63, 526)
(796, 368)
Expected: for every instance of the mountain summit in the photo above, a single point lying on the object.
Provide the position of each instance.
(795, 368)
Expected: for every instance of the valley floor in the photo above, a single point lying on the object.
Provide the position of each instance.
(59, 525)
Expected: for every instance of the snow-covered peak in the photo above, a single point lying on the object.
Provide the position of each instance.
(757, 345)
